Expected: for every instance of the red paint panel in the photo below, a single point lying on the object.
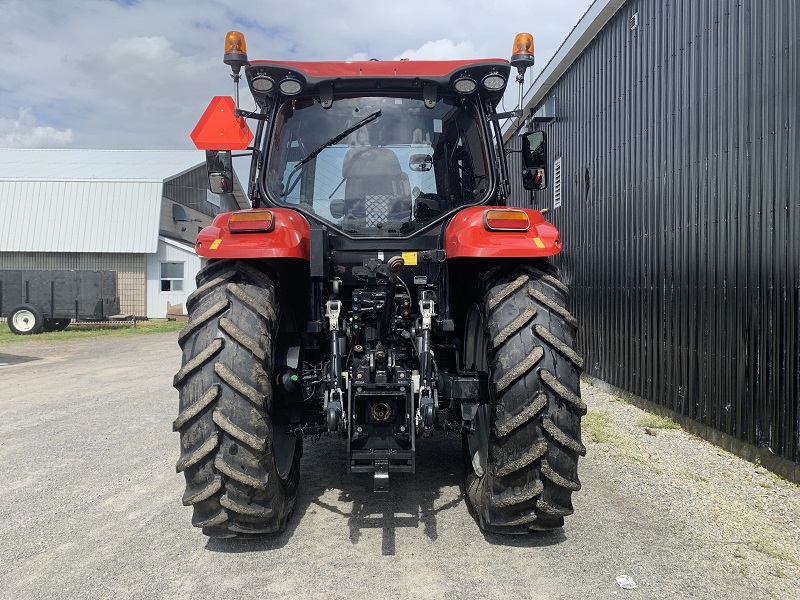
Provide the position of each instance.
(289, 238)
(466, 236)
(380, 68)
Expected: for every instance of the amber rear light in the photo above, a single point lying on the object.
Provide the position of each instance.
(506, 220)
(252, 220)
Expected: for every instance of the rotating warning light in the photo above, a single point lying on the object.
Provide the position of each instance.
(235, 50)
(522, 54)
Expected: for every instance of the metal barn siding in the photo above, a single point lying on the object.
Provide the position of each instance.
(79, 216)
(679, 141)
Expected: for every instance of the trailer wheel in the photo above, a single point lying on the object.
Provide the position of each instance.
(241, 467)
(55, 324)
(521, 462)
(25, 319)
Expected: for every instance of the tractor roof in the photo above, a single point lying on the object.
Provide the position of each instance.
(381, 68)
(386, 76)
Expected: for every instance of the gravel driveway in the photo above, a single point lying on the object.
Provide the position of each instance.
(90, 506)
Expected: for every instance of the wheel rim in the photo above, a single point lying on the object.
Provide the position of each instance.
(475, 353)
(24, 320)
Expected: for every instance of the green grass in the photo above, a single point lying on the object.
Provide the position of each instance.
(82, 331)
(598, 426)
(657, 422)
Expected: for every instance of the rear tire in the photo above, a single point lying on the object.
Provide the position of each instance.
(56, 324)
(521, 463)
(25, 319)
(241, 467)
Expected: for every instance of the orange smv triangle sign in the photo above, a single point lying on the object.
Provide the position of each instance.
(220, 129)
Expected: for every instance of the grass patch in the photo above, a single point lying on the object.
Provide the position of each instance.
(90, 330)
(598, 426)
(657, 422)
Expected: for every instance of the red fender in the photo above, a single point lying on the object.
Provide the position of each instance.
(288, 238)
(467, 235)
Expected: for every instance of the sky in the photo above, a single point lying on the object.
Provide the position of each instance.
(138, 74)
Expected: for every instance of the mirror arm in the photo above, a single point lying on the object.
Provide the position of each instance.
(251, 115)
(516, 113)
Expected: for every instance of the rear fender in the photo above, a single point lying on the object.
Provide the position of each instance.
(467, 235)
(288, 238)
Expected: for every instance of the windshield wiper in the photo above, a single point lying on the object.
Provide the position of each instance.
(334, 140)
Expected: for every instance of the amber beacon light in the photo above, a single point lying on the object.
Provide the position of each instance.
(522, 54)
(235, 50)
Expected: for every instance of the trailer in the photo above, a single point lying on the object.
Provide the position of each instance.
(36, 301)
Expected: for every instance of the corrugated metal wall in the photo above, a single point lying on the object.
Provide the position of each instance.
(130, 270)
(681, 210)
(79, 216)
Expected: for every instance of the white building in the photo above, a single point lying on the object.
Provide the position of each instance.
(130, 211)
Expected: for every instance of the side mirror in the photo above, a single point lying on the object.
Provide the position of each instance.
(534, 160)
(420, 162)
(219, 164)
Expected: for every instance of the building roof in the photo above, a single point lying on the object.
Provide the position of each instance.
(589, 25)
(116, 165)
(85, 200)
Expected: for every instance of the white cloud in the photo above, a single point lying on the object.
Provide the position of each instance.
(139, 75)
(23, 132)
(443, 49)
(358, 56)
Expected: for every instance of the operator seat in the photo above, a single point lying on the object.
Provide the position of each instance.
(377, 192)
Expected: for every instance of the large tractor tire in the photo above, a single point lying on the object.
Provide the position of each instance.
(241, 466)
(521, 462)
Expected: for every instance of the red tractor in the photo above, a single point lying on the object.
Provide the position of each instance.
(379, 291)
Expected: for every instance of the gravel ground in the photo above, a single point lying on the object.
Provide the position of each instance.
(90, 506)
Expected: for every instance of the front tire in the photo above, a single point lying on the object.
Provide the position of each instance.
(521, 462)
(241, 467)
(25, 319)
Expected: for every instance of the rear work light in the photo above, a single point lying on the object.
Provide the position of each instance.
(494, 82)
(263, 84)
(465, 85)
(252, 220)
(290, 86)
(506, 220)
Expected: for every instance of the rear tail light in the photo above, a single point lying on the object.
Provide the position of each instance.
(252, 220)
(506, 220)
